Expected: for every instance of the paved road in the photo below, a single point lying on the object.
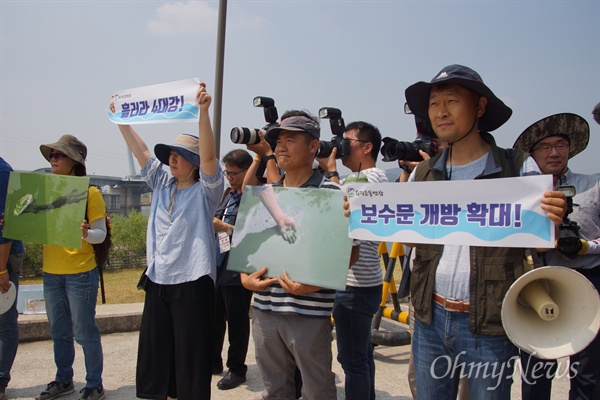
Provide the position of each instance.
(34, 367)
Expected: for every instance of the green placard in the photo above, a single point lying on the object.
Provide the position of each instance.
(321, 251)
(45, 208)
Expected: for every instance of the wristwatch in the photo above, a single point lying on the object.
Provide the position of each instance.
(229, 230)
(269, 157)
(331, 174)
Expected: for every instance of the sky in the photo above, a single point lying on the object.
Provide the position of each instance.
(62, 60)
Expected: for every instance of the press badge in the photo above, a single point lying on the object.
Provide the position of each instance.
(224, 245)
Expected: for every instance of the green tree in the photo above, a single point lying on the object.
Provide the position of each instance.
(32, 263)
(128, 245)
(129, 240)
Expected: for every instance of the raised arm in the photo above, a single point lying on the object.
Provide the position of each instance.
(250, 177)
(208, 155)
(262, 149)
(134, 141)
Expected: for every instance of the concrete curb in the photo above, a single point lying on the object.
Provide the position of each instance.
(111, 318)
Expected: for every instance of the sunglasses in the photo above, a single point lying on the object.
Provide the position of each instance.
(56, 156)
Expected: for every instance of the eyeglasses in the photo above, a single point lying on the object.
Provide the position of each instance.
(232, 175)
(56, 156)
(547, 149)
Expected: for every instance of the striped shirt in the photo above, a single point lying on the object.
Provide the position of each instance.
(366, 272)
(276, 299)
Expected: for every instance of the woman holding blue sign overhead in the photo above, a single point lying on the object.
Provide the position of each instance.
(71, 283)
(176, 333)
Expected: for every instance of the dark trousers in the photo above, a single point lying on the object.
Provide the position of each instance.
(536, 382)
(584, 367)
(9, 327)
(232, 309)
(585, 385)
(176, 341)
(353, 312)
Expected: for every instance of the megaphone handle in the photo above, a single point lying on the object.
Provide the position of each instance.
(537, 262)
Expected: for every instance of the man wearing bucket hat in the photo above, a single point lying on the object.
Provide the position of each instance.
(176, 332)
(552, 142)
(457, 291)
(12, 253)
(291, 323)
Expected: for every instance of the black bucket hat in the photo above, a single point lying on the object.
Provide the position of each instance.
(185, 145)
(570, 126)
(496, 112)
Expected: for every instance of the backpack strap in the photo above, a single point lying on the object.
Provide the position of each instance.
(515, 160)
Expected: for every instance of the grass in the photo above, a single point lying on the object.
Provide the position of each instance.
(119, 285)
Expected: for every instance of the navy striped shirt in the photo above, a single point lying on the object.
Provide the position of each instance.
(276, 299)
(366, 272)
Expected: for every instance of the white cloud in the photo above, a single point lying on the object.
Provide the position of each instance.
(197, 17)
(239, 20)
(179, 19)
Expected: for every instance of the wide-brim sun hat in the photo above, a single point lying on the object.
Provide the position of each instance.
(496, 112)
(572, 127)
(295, 124)
(185, 145)
(596, 113)
(69, 145)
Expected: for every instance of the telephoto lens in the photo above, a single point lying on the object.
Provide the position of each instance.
(242, 135)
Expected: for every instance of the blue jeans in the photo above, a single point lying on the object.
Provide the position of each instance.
(445, 349)
(71, 308)
(353, 312)
(9, 328)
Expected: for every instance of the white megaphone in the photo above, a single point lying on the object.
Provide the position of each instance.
(551, 312)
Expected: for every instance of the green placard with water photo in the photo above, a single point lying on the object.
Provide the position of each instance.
(316, 253)
(45, 208)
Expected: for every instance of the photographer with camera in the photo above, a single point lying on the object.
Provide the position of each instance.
(232, 299)
(354, 307)
(264, 168)
(264, 160)
(457, 307)
(408, 166)
(291, 324)
(552, 141)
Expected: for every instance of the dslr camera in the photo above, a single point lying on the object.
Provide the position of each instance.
(393, 149)
(242, 135)
(338, 128)
(569, 242)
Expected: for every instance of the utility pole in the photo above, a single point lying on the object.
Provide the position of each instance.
(218, 91)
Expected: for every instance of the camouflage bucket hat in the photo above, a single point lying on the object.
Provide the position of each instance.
(69, 145)
(570, 126)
